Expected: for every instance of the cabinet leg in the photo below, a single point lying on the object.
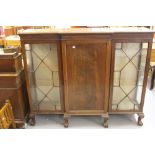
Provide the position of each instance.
(105, 120)
(66, 124)
(27, 118)
(140, 117)
(32, 120)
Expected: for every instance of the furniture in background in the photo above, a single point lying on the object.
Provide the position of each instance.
(12, 41)
(152, 65)
(12, 85)
(9, 30)
(153, 51)
(6, 116)
(1, 30)
(86, 71)
(1, 42)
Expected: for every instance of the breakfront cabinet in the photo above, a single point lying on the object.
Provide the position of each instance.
(86, 71)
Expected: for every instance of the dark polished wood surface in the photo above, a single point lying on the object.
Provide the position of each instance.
(88, 70)
(84, 75)
(13, 86)
(11, 89)
(11, 64)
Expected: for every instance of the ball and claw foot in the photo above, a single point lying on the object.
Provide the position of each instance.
(32, 121)
(105, 123)
(140, 123)
(140, 117)
(66, 122)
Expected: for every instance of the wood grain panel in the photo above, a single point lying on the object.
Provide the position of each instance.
(11, 64)
(85, 75)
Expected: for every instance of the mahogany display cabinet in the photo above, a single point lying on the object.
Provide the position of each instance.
(86, 71)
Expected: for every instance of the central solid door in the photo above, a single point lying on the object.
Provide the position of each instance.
(86, 72)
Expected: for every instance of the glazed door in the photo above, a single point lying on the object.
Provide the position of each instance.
(129, 80)
(85, 66)
(43, 76)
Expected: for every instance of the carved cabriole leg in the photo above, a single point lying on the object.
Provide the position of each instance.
(105, 120)
(66, 120)
(32, 120)
(140, 117)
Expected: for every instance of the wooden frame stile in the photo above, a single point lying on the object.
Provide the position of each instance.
(61, 78)
(141, 114)
(111, 75)
(28, 86)
(146, 73)
(38, 40)
(65, 86)
(107, 83)
(86, 39)
(137, 38)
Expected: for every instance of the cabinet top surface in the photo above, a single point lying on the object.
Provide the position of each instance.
(86, 30)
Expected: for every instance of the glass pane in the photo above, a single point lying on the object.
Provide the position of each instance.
(131, 49)
(125, 104)
(121, 60)
(128, 81)
(130, 60)
(118, 95)
(117, 78)
(42, 61)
